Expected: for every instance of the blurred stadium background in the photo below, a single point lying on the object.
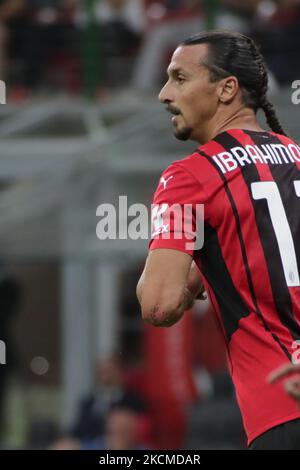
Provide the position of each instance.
(82, 126)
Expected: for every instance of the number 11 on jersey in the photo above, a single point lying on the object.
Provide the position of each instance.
(269, 190)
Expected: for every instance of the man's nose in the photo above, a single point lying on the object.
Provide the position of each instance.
(164, 95)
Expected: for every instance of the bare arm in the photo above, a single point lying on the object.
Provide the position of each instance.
(194, 283)
(168, 286)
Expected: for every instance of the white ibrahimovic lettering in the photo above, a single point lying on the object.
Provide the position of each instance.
(275, 154)
(216, 160)
(244, 157)
(265, 156)
(296, 148)
(275, 157)
(252, 151)
(228, 161)
(269, 190)
(284, 152)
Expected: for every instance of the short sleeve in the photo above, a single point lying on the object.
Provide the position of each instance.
(177, 212)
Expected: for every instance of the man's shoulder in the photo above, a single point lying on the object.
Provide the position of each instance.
(179, 175)
(191, 162)
(188, 161)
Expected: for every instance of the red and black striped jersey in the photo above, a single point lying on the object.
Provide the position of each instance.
(249, 185)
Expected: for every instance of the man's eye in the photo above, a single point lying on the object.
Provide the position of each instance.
(180, 79)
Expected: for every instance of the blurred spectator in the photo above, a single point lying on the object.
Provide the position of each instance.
(278, 31)
(241, 8)
(34, 34)
(110, 392)
(50, 36)
(169, 23)
(172, 21)
(236, 15)
(129, 12)
(10, 13)
(65, 443)
(121, 25)
(41, 433)
(122, 432)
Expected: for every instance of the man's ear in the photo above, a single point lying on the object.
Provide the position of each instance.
(228, 89)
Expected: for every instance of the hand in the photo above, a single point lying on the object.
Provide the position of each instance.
(292, 385)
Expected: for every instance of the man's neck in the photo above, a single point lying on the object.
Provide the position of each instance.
(243, 118)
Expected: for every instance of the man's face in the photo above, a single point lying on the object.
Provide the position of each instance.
(189, 94)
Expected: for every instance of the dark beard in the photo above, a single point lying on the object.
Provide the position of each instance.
(183, 134)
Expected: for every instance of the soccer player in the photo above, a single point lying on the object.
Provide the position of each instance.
(248, 180)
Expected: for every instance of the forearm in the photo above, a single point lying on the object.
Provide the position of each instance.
(139, 288)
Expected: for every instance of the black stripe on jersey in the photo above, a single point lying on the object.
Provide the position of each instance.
(281, 294)
(224, 140)
(215, 271)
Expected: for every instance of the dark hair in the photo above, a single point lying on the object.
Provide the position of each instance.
(232, 53)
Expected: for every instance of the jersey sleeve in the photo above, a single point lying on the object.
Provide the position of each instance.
(177, 212)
